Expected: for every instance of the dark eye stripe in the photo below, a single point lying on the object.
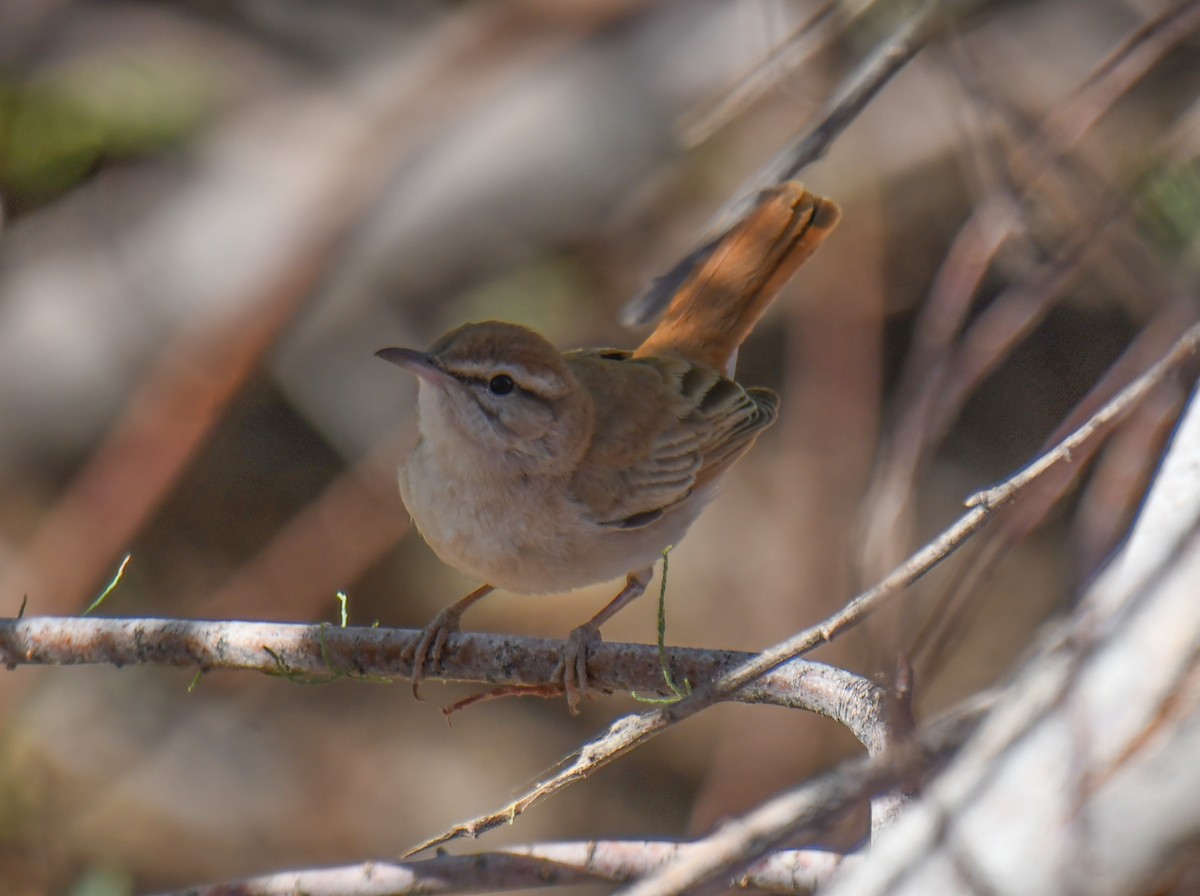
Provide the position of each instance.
(485, 383)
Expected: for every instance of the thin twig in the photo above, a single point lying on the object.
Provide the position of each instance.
(1116, 617)
(929, 368)
(951, 614)
(698, 125)
(859, 89)
(629, 732)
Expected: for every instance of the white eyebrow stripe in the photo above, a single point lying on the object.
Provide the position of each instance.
(484, 370)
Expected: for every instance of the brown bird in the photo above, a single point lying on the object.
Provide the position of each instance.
(540, 471)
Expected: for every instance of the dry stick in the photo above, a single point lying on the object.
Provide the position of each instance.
(861, 87)
(1112, 79)
(629, 732)
(951, 614)
(991, 224)
(538, 865)
(697, 126)
(1017, 310)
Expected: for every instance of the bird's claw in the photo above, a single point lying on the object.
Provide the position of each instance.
(432, 644)
(572, 667)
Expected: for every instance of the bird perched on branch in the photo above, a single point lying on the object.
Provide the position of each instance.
(541, 471)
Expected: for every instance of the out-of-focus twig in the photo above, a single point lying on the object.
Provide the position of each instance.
(328, 544)
(928, 367)
(858, 90)
(952, 613)
(699, 125)
(198, 372)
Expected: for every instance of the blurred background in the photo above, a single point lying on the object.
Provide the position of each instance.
(214, 213)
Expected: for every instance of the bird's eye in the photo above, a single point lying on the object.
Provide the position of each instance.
(501, 384)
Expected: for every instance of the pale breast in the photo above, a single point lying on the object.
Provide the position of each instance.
(523, 533)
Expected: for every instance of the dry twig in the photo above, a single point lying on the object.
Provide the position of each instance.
(936, 378)
(1099, 726)
(859, 89)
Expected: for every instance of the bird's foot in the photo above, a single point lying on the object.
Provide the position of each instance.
(432, 644)
(572, 667)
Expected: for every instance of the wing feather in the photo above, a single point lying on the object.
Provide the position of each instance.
(663, 428)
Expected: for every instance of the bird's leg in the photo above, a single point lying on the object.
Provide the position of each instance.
(433, 636)
(572, 668)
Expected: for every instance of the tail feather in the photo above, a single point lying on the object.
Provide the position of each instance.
(718, 305)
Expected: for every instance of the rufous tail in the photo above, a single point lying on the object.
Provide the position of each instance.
(719, 303)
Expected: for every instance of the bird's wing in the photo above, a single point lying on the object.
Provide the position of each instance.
(663, 427)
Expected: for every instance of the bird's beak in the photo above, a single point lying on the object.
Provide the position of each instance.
(420, 363)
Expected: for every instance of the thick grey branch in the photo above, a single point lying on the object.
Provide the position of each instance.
(1083, 779)
(318, 651)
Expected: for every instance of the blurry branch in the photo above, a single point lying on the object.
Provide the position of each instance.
(325, 653)
(958, 603)
(202, 368)
(521, 867)
(1100, 726)
(632, 731)
(938, 378)
(860, 88)
(700, 124)
(738, 843)
(340, 533)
